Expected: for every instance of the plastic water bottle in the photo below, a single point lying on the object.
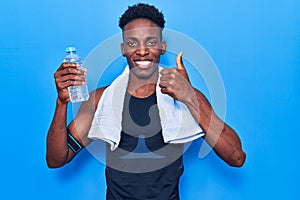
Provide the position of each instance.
(77, 93)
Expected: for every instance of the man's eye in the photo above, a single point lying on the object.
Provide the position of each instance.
(152, 43)
(131, 44)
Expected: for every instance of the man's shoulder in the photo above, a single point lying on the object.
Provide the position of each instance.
(95, 96)
(99, 92)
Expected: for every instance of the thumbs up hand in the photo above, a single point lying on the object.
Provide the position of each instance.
(175, 81)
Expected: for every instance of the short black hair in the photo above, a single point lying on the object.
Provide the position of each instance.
(142, 10)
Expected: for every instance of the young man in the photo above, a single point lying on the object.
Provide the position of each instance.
(145, 162)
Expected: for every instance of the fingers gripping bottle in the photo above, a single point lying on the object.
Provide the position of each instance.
(77, 93)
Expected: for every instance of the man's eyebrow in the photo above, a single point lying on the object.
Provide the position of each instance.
(130, 38)
(152, 37)
(147, 38)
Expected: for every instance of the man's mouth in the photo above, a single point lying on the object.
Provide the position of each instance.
(143, 63)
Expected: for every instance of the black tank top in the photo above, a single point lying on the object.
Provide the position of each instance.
(143, 167)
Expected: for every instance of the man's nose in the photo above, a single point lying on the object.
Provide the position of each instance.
(142, 50)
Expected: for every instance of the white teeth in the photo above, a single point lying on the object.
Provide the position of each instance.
(143, 63)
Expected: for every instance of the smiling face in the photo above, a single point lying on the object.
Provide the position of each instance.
(142, 46)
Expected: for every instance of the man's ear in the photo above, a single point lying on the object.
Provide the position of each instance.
(122, 49)
(163, 47)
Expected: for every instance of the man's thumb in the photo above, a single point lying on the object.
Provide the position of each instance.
(179, 62)
(180, 66)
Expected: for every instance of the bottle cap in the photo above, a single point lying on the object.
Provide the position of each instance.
(70, 49)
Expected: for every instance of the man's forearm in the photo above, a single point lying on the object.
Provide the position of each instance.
(57, 147)
(219, 135)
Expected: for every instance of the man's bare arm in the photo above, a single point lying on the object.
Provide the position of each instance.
(222, 138)
(57, 150)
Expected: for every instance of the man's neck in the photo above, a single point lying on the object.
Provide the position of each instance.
(142, 88)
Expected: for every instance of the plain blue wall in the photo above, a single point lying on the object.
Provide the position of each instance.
(255, 44)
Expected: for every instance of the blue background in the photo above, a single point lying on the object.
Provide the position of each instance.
(255, 45)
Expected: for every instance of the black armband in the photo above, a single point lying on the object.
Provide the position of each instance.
(73, 144)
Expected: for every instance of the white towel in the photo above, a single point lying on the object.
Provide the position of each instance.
(178, 125)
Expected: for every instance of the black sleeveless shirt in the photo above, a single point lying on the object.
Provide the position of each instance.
(143, 167)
